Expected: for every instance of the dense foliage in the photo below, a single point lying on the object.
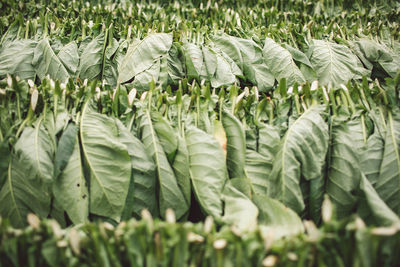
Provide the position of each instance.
(249, 114)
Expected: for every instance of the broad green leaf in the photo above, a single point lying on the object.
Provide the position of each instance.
(166, 135)
(388, 184)
(381, 212)
(110, 67)
(207, 170)
(46, 62)
(69, 57)
(268, 141)
(29, 173)
(373, 153)
(142, 55)
(210, 64)
(143, 79)
(22, 192)
(108, 161)
(275, 219)
(170, 196)
(248, 57)
(36, 145)
(236, 145)
(344, 173)
(334, 63)
(193, 60)
(303, 62)
(301, 159)
(280, 62)
(378, 55)
(258, 168)
(70, 187)
(16, 59)
(238, 209)
(142, 195)
(223, 74)
(181, 169)
(236, 150)
(91, 61)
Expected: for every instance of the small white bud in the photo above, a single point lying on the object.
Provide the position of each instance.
(314, 85)
(33, 221)
(270, 261)
(31, 83)
(34, 99)
(74, 241)
(170, 216)
(132, 96)
(220, 244)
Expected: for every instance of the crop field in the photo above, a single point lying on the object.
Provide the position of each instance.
(200, 133)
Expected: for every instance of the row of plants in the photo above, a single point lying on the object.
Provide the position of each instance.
(75, 152)
(151, 242)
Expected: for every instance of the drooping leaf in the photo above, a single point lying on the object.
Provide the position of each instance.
(275, 219)
(236, 149)
(23, 193)
(388, 184)
(181, 169)
(16, 59)
(382, 214)
(69, 57)
(166, 135)
(258, 168)
(36, 145)
(91, 61)
(248, 57)
(238, 209)
(109, 163)
(334, 63)
(143, 176)
(170, 195)
(70, 187)
(301, 159)
(280, 62)
(29, 173)
(207, 170)
(344, 173)
(193, 60)
(46, 62)
(379, 56)
(142, 55)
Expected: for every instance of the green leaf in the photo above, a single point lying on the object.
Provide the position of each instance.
(181, 169)
(69, 56)
(46, 62)
(248, 57)
(30, 170)
(280, 62)
(238, 209)
(16, 59)
(142, 55)
(143, 79)
(388, 184)
(276, 219)
(91, 62)
(378, 55)
(70, 188)
(170, 196)
(109, 163)
(344, 173)
(236, 149)
(193, 61)
(258, 168)
(144, 179)
(303, 62)
(36, 145)
(301, 160)
(334, 63)
(207, 170)
(166, 135)
(381, 212)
